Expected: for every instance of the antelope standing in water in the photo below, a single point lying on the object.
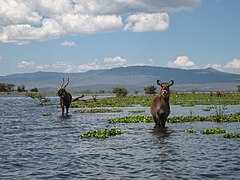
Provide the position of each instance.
(65, 97)
(160, 108)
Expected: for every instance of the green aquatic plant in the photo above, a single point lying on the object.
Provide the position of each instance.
(182, 99)
(232, 135)
(190, 131)
(98, 110)
(131, 119)
(178, 119)
(224, 118)
(103, 134)
(137, 111)
(213, 131)
(46, 114)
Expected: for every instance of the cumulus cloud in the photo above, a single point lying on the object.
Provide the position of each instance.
(67, 66)
(22, 21)
(233, 64)
(147, 22)
(68, 43)
(230, 66)
(182, 62)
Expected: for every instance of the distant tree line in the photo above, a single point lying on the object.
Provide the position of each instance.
(5, 87)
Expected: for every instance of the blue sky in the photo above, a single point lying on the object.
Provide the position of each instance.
(82, 35)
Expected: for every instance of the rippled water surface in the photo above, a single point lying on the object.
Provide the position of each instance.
(34, 146)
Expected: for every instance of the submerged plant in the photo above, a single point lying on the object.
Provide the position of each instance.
(39, 97)
(46, 114)
(105, 133)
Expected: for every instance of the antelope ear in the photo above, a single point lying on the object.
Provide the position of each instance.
(171, 83)
(159, 82)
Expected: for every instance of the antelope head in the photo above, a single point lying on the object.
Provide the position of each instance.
(165, 91)
(61, 90)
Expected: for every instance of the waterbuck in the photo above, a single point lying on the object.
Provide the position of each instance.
(160, 108)
(65, 97)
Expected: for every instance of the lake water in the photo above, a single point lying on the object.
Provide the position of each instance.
(34, 146)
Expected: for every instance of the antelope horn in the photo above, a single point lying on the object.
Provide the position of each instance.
(67, 83)
(62, 83)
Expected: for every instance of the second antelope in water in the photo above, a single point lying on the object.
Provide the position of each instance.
(160, 108)
(65, 97)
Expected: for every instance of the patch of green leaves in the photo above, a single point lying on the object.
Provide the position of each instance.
(103, 134)
(98, 110)
(178, 119)
(190, 131)
(213, 131)
(232, 135)
(218, 118)
(131, 119)
(183, 99)
(137, 111)
(46, 114)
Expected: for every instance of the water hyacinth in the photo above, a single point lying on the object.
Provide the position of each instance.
(232, 135)
(98, 110)
(103, 134)
(213, 131)
(178, 119)
(190, 131)
(131, 119)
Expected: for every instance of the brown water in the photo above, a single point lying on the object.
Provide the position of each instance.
(34, 146)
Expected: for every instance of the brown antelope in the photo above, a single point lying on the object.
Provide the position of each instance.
(65, 97)
(160, 108)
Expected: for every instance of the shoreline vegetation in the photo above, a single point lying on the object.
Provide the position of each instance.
(182, 99)
(187, 99)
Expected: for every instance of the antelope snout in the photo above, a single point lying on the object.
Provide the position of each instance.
(165, 93)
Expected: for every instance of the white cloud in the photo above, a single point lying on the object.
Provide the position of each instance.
(87, 24)
(230, 66)
(182, 62)
(147, 22)
(68, 43)
(114, 60)
(26, 64)
(66, 66)
(233, 64)
(23, 21)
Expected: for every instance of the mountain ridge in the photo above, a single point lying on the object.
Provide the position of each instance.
(133, 77)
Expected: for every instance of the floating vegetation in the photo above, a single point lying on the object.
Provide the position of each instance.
(190, 131)
(103, 134)
(213, 131)
(217, 118)
(98, 110)
(131, 119)
(46, 114)
(182, 99)
(178, 119)
(137, 111)
(232, 135)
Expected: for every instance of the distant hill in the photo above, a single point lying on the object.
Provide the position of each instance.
(132, 77)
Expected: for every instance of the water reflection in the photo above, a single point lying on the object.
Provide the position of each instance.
(161, 133)
(65, 117)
